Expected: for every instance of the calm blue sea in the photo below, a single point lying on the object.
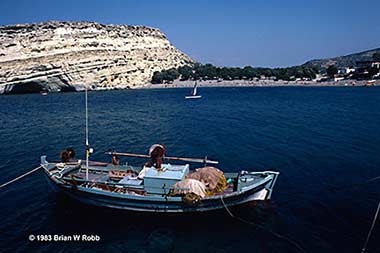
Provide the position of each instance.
(324, 141)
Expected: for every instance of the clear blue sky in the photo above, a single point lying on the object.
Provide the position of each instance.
(230, 33)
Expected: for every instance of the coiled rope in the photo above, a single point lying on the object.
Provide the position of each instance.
(262, 227)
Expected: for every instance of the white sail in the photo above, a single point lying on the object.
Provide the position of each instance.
(195, 90)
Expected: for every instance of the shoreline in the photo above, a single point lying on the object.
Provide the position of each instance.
(260, 83)
(177, 84)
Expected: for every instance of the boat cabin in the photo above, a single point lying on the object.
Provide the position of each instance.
(161, 181)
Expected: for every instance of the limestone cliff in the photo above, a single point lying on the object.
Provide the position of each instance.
(70, 55)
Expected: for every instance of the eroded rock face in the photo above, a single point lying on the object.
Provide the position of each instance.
(58, 56)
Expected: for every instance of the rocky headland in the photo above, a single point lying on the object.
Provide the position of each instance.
(68, 56)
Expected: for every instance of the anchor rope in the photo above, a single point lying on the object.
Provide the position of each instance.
(371, 229)
(19, 177)
(262, 227)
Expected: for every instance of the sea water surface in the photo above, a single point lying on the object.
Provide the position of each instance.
(323, 141)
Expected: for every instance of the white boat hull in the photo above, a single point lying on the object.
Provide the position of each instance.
(193, 97)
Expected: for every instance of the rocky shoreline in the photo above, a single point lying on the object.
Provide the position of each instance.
(220, 84)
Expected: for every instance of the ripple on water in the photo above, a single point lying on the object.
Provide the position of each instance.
(322, 140)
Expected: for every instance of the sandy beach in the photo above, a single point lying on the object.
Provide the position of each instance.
(251, 83)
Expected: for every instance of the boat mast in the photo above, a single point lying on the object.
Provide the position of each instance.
(87, 145)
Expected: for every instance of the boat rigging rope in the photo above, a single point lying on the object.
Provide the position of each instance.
(372, 226)
(262, 227)
(19, 177)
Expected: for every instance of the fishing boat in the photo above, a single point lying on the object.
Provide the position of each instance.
(122, 186)
(96, 185)
(194, 93)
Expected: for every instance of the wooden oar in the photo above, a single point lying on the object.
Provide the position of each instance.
(195, 160)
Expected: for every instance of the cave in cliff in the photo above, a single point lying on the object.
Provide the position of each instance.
(24, 88)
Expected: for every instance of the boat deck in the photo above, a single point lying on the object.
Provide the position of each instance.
(100, 177)
(107, 185)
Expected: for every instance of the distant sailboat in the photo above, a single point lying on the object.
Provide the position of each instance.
(194, 93)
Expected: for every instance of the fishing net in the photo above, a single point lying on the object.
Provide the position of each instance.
(212, 178)
(189, 186)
